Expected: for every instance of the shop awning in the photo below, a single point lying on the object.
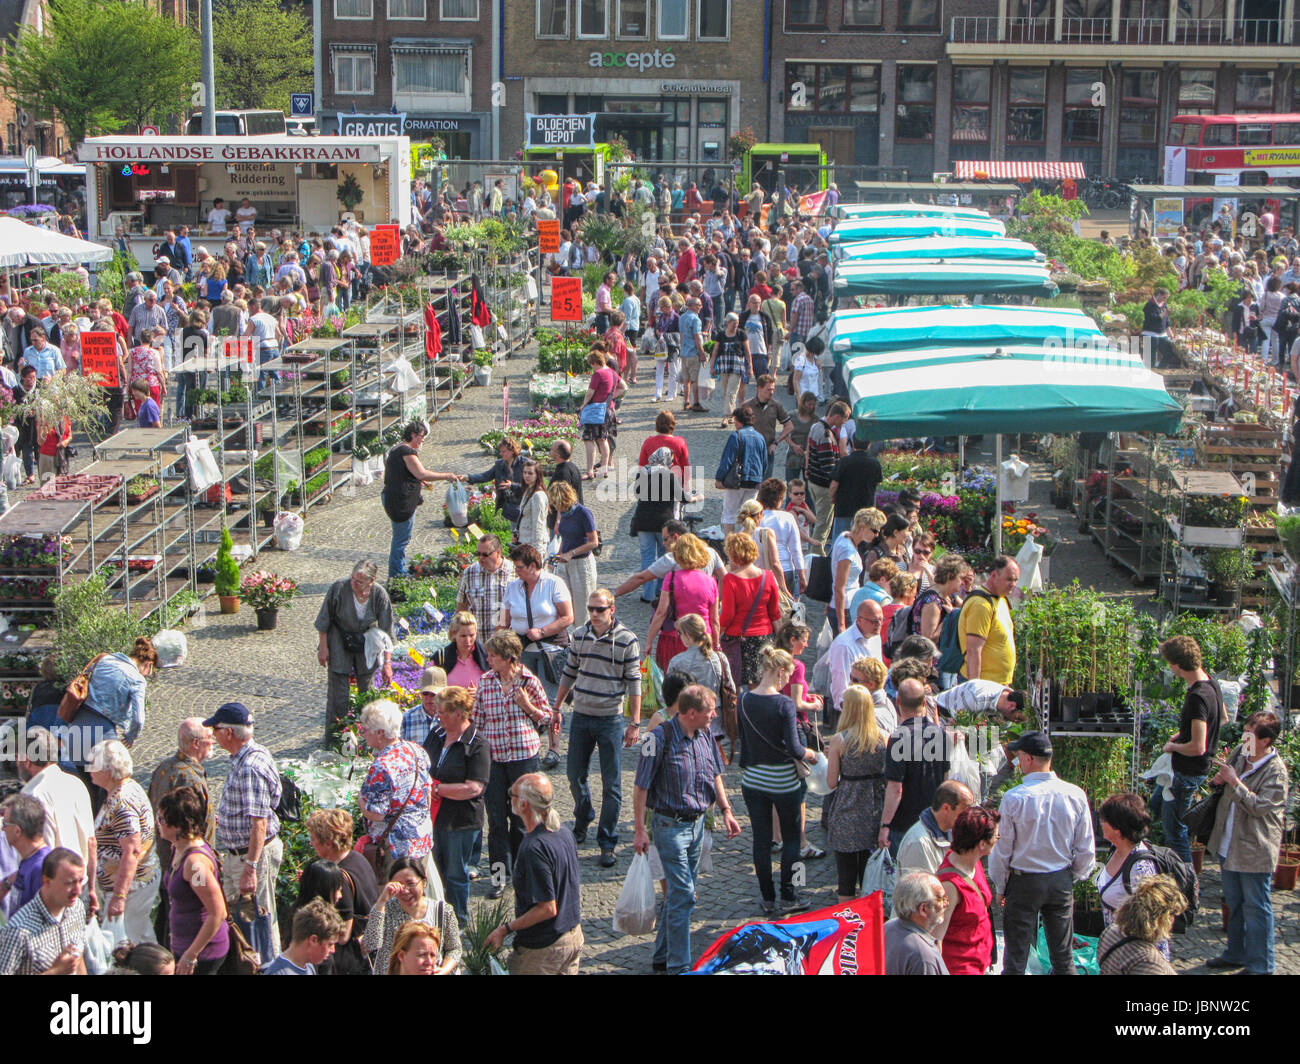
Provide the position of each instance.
(971, 390)
(1012, 171)
(31, 245)
(907, 277)
(890, 227)
(885, 329)
(1216, 191)
(938, 247)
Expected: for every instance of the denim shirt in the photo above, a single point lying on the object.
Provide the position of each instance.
(753, 455)
(117, 691)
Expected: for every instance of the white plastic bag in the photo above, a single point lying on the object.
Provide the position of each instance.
(405, 379)
(879, 875)
(172, 647)
(965, 769)
(98, 947)
(204, 471)
(457, 502)
(706, 851)
(288, 530)
(816, 778)
(477, 340)
(634, 912)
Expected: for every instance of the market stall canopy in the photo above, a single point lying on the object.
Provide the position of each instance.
(904, 210)
(48, 165)
(936, 188)
(1254, 192)
(894, 328)
(1017, 171)
(938, 247)
(30, 245)
(892, 227)
(940, 277)
(969, 390)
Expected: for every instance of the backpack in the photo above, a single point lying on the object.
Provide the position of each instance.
(1170, 864)
(899, 629)
(823, 456)
(289, 808)
(950, 655)
(1288, 316)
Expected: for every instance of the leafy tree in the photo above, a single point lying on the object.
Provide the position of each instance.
(99, 65)
(263, 52)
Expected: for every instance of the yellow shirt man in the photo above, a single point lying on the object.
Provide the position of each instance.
(989, 619)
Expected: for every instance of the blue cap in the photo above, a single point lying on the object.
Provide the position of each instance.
(230, 713)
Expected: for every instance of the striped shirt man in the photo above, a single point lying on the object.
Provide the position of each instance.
(602, 669)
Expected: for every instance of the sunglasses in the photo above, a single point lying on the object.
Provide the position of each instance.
(599, 609)
(922, 553)
(485, 554)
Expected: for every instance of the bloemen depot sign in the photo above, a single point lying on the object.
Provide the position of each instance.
(655, 60)
(561, 131)
(152, 149)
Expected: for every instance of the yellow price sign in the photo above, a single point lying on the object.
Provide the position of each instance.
(415, 656)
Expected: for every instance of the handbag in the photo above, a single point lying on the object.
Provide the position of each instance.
(242, 958)
(75, 695)
(593, 414)
(801, 767)
(730, 644)
(819, 578)
(1199, 818)
(377, 852)
(727, 703)
(731, 479)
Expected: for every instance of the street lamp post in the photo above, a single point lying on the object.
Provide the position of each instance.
(209, 74)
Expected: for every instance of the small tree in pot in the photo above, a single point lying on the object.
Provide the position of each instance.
(226, 581)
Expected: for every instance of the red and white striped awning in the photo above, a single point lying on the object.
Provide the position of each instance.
(1008, 171)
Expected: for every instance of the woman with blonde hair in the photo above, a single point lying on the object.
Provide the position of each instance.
(769, 556)
(687, 589)
(1131, 945)
(575, 524)
(769, 747)
(706, 667)
(846, 564)
(855, 770)
(871, 673)
(415, 950)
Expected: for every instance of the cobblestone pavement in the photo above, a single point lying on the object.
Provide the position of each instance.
(277, 676)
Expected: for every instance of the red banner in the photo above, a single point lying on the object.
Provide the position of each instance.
(566, 299)
(239, 347)
(548, 235)
(385, 245)
(99, 358)
(843, 939)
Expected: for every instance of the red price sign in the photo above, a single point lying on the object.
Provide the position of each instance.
(99, 358)
(548, 235)
(566, 299)
(239, 347)
(385, 245)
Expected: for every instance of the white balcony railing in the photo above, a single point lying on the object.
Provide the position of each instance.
(982, 29)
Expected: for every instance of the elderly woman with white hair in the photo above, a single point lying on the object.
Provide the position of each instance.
(125, 866)
(353, 616)
(398, 791)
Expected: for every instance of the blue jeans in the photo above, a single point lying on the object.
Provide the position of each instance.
(604, 734)
(402, 531)
(267, 354)
(1172, 810)
(652, 546)
(680, 844)
(840, 524)
(1250, 920)
(453, 850)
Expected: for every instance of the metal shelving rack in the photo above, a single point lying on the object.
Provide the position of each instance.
(1181, 539)
(1130, 501)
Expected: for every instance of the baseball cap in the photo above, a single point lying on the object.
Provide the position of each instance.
(432, 680)
(163, 260)
(1033, 743)
(230, 713)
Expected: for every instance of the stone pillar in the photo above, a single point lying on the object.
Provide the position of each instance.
(888, 89)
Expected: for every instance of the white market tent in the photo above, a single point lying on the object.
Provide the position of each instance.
(23, 245)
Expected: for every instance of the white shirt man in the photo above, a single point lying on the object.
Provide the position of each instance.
(860, 640)
(69, 820)
(246, 215)
(218, 217)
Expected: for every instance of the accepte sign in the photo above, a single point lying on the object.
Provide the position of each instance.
(561, 131)
(195, 150)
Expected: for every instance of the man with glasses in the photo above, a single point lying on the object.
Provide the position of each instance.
(483, 584)
(182, 769)
(248, 830)
(910, 946)
(860, 640)
(603, 669)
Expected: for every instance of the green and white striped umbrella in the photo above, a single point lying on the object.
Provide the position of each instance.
(931, 276)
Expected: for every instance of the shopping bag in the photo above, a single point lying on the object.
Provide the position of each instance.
(172, 647)
(634, 912)
(98, 949)
(652, 679)
(288, 530)
(706, 851)
(816, 778)
(1083, 948)
(965, 769)
(457, 503)
(879, 875)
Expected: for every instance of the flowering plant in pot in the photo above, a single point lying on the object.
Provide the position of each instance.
(267, 593)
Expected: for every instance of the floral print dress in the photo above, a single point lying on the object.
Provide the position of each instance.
(399, 770)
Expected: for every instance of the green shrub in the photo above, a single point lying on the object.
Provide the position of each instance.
(86, 623)
(226, 581)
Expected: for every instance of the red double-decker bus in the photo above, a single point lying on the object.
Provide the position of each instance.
(1249, 149)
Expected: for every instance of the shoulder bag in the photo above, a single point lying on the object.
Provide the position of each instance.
(241, 958)
(377, 852)
(731, 644)
(726, 698)
(558, 641)
(75, 695)
(1199, 818)
(801, 767)
(731, 479)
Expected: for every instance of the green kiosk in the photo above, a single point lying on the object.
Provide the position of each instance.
(804, 166)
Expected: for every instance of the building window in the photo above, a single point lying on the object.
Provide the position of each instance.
(1086, 20)
(673, 23)
(1196, 92)
(354, 73)
(918, 14)
(430, 74)
(553, 18)
(406, 9)
(1139, 112)
(354, 9)
(459, 10)
(1200, 21)
(1254, 91)
(1026, 96)
(970, 103)
(805, 14)
(1082, 117)
(859, 14)
(832, 88)
(593, 18)
(632, 21)
(914, 105)
(714, 20)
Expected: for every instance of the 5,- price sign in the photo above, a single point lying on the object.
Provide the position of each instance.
(385, 245)
(239, 347)
(99, 358)
(548, 235)
(566, 299)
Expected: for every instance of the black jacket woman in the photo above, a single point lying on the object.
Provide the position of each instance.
(507, 474)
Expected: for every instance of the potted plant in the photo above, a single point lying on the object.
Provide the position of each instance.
(1227, 569)
(1288, 531)
(226, 581)
(483, 360)
(267, 593)
(141, 487)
